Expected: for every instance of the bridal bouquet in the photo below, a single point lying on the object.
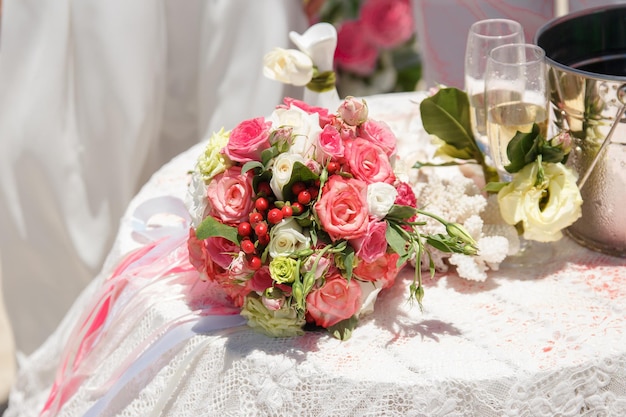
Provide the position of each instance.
(300, 219)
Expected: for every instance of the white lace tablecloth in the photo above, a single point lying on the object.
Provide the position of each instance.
(548, 341)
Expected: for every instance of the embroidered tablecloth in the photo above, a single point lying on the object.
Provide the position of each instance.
(544, 341)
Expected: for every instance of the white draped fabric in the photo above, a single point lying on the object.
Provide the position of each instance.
(94, 97)
(545, 341)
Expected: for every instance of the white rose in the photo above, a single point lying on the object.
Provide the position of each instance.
(369, 294)
(380, 198)
(543, 210)
(281, 172)
(286, 238)
(288, 66)
(306, 129)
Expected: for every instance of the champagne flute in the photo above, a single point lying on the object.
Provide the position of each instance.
(516, 97)
(483, 36)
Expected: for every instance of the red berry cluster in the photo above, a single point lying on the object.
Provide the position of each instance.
(267, 212)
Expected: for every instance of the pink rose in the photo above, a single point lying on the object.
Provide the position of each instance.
(387, 23)
(352, 111)
(235, 290)
(369, 162)
(221, 250)
(230, 194)
(323, 112)
(334, 301)
(342, 209)
(330, 143)
(248, 139)
(261, 280)
(346, 131)
(236, 280)
(199, 257)
(353, 52)
(374, 244)
(323, 264)
(406, 195)
(380, 133)
(384, 269)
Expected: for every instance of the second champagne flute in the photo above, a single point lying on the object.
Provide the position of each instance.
(516, 97)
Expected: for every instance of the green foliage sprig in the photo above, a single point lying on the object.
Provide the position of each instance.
(447, 116)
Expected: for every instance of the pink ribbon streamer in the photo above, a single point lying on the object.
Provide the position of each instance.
(141, 279)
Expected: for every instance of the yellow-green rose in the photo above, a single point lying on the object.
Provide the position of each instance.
(213, 161)
(284, 270)
(544, 209)
(284, 322)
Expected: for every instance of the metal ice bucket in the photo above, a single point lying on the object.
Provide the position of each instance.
(586, 55)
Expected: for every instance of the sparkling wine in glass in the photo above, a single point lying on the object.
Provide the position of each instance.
(483, 36)
(516, 98)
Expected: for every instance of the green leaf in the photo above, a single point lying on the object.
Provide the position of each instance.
(268, 154)
(494, 187)
(440, 242)
(343, 329)
(399, 212)
(313, 235)
(395, 238)
(523, 149)
(453, 152)
(446, 115)
(251, 165)
(210, 227)
(552, 154)
(261, 176)
(420, 164)
(348, 262)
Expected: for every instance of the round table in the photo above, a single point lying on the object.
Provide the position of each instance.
(544, 341)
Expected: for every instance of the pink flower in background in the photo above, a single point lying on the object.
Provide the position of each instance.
(354, 53)
(230, 195)
(376, 44)
(248, 139)
(387, 23)
(336, 300)
(380, 133)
